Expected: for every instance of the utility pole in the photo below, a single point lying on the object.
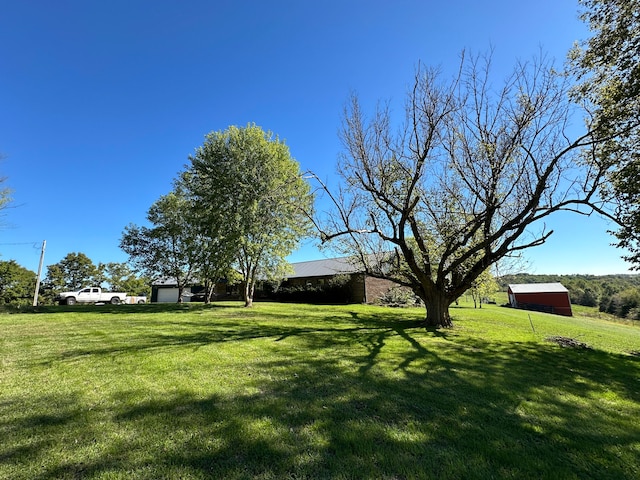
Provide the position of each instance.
(35, 294)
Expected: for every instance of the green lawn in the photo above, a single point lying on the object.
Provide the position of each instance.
(297, 391)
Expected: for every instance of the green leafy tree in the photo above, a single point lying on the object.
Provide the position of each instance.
(608, 68)
(464, 182)
(73, 272)
(121, 278)
(167, 249)
(215, 266)
(623, 303)
(589, 298)
(100, 276)
(211, 232)
(17, 283)
(483, 287)
(252, 199)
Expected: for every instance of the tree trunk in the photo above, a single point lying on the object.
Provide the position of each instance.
(180, 292)
(208, 293)
(437, 306)
(248, 294)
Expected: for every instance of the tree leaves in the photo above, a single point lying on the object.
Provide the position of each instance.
(248, 193)
(608, 67)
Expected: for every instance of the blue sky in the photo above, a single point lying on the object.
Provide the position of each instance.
(102, 102)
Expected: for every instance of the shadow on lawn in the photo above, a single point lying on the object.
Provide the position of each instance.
(124, 308)
(393, 409)
(329, 331)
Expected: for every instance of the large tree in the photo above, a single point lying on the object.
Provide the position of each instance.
(466, 180)
(608, 69)
(121, 278)
(214, 236)
(16, 283)
(251, 199)
(167, 249)
(73, 272)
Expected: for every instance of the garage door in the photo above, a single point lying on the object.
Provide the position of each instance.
(167, 295)
(170, 295)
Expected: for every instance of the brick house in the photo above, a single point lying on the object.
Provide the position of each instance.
(315, 273)
(361, 288)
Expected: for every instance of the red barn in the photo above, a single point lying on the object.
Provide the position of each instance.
(542, 297)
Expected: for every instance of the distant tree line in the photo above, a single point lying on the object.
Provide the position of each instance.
(618, 295)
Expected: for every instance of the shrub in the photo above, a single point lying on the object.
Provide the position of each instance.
(335, 290)
(622, 304)
(399, 297)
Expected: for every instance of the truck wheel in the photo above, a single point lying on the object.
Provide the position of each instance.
(140, 301)
(115, 300)
(71, 301)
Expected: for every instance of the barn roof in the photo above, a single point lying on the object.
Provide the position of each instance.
(323, 268)
(538, 288)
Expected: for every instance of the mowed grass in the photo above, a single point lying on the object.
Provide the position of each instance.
(298, 391)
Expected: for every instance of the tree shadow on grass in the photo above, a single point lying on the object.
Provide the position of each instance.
(388, 404)
(144, 334)
(223, 332)
(125, 308)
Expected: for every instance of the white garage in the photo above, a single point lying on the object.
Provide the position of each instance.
(166, 291)
(167, 295)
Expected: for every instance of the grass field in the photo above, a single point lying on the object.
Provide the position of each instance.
(298, 391)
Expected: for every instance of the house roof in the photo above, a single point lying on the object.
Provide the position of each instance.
(538, 288)
(171, 282)
(323, 268)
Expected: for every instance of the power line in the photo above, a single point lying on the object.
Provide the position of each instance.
(34, 244)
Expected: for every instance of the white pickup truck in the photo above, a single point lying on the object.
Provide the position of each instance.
(96, 295)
